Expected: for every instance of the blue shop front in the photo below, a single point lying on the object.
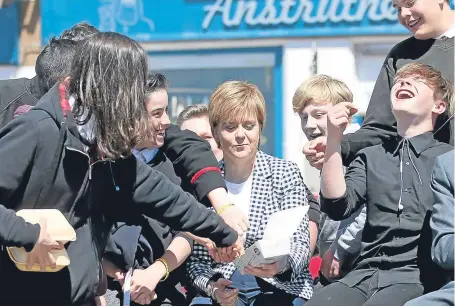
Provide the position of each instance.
(275, 44)
(9, 39)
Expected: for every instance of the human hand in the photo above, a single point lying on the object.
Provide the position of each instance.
(338, 118)
(314, 151)
(235, 218)
(223, 295)
(209, 245)
(41, 252)
(330, 266)
(143, 284)
(113, 271)
(228, 254)
(264, 271)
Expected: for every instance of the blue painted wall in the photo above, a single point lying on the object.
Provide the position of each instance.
(9, 34)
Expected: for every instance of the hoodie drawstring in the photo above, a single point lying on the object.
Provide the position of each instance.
(117, 188)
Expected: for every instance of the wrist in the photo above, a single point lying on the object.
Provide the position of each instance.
(211, 288)
(161, 269)
(333, 144)
(224, 208)
(217, 197)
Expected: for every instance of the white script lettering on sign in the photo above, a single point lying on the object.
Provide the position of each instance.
(289, 12)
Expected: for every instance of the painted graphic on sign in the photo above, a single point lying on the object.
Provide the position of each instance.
(124, 16)
(169, 20)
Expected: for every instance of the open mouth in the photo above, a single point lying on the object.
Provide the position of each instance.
(161, 134)
(404, 94)
(413, 23)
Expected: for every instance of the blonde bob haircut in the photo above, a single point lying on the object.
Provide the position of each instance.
(236, 100)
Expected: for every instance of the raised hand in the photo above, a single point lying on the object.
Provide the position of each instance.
(338, 118)
(314, 151)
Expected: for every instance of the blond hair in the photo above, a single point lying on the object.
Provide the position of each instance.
(320, 90)
(233, 100)
(443, 89)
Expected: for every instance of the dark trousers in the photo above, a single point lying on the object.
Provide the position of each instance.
(366, 293)
(254, 292)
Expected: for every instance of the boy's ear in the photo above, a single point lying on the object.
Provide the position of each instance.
(439, 106)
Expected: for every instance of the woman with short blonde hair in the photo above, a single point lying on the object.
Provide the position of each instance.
(259, 185)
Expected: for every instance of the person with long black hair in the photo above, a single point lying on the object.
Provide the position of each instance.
(72, 152)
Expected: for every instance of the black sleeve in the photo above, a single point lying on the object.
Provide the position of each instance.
(379, 124)
(18, 143)
(355, 196)
(193, 160)
(176, 234)
(169, 204)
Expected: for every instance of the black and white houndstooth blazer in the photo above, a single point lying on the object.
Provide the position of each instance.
(277, 185)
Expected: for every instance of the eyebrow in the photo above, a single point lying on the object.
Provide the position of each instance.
(157, 109)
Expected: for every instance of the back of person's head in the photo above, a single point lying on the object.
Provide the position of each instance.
(108, 80)
(443, 89)
(156, 82)
(79, 31)
(234, 100)
(320, 90)
(192, 111)
(54, 62)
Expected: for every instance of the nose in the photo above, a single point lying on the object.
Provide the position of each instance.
(165, 121)
(405, 83)
(405, 12)
(240, 134)
(310, 123)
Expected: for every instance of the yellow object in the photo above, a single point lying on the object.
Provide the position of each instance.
(58, 229)
(19, 256)
(224, 208)
(166, 265)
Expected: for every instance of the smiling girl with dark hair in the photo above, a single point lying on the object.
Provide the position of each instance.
(72, 152)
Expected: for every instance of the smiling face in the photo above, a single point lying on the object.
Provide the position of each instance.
(414, 99)
(424, 18)
(157, 107)
(313, 120)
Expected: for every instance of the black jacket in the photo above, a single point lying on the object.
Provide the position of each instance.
(91, 196)
(131, 245)
(190, 154)
(15, 93)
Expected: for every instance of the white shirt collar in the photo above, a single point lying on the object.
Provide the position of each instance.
(449, 33)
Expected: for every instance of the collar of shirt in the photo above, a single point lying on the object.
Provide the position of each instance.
(146, 154)
(449, 33)
(419, 143)
(87, 131)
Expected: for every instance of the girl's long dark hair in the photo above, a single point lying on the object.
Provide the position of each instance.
(108, 79)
